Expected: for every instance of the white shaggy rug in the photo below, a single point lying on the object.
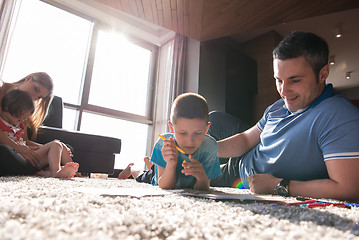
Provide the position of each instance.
(48, 208)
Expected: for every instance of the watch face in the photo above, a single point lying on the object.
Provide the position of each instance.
(282, 191)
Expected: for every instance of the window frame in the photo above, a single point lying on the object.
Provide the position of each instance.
(84, 106)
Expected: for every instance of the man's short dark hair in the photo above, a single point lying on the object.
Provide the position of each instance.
(314, 49)
(191, 106)
(16, 102)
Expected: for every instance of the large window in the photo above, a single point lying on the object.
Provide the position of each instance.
(121, 70)
(104, 77)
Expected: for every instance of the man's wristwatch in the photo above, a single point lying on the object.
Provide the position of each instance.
(282, 188)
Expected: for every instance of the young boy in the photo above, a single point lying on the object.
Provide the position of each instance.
(189, 125)
(16, 107)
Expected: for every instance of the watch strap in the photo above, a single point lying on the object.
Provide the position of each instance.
(282, 188)
(284, 183)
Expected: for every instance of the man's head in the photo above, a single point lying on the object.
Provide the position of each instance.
(314, 49)
(189, 121)
(300, 66)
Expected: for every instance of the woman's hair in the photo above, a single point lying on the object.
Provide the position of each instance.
(42, 105)
(17, 102)
(189, 105)
(314, 49)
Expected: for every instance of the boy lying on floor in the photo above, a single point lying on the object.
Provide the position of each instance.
(198, 164)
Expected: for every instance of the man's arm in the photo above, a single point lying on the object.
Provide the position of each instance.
(239, 144)
(342, 184)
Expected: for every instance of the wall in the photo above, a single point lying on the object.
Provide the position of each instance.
(212, 83)
(352, 93)
(260, 49)
(212, 76)
(227, 78)
(192, 66)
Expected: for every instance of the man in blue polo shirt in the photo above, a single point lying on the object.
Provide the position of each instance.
(306, 143)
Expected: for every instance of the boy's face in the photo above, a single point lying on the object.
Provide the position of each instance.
(189, 133)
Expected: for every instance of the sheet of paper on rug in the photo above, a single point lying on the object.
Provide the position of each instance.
(128, 192)
(219, 195)
(215, 195)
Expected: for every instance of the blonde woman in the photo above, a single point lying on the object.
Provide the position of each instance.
(17, 159)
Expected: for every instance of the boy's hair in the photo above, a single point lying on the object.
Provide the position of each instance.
(189, 105)
(314, 49)
(16, 102)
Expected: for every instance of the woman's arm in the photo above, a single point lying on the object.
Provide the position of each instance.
(24, 151)
(7, 141)
(29, 142)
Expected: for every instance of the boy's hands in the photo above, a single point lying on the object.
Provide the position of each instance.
(169, 152)
(195, 169)
(167, 176)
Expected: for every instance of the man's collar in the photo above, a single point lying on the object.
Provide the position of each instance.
(327, 93)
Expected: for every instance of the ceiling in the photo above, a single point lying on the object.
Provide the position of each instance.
(245, 19)
(345, 49)
(210, 19)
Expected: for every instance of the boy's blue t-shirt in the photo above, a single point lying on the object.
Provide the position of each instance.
(205, 154)
(295, 146)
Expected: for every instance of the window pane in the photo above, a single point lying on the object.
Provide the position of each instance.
(133, 137)
(120, 75)
(48, 39)
(69, 119)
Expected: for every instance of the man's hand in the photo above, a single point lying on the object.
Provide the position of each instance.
(169, 151)
(28, 152)
(263, 183)
(195, 169)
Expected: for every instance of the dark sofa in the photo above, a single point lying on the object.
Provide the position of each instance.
(224, 125)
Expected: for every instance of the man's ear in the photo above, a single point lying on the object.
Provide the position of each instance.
(323, 74)
(209, 124)
(171, 127)
(28, 78)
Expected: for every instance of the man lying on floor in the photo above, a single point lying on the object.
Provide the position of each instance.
(307, 143)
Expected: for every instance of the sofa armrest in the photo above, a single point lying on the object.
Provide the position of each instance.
(94, 153)
(79, 140)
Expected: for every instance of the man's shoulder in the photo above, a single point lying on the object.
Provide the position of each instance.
(278, 107)
(338, 104)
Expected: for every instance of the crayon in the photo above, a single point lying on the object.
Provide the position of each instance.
(302, 202)
(160, 136)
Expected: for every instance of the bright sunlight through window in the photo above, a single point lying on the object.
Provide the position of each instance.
(49, 39)
(121, 73)
(57, 45)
